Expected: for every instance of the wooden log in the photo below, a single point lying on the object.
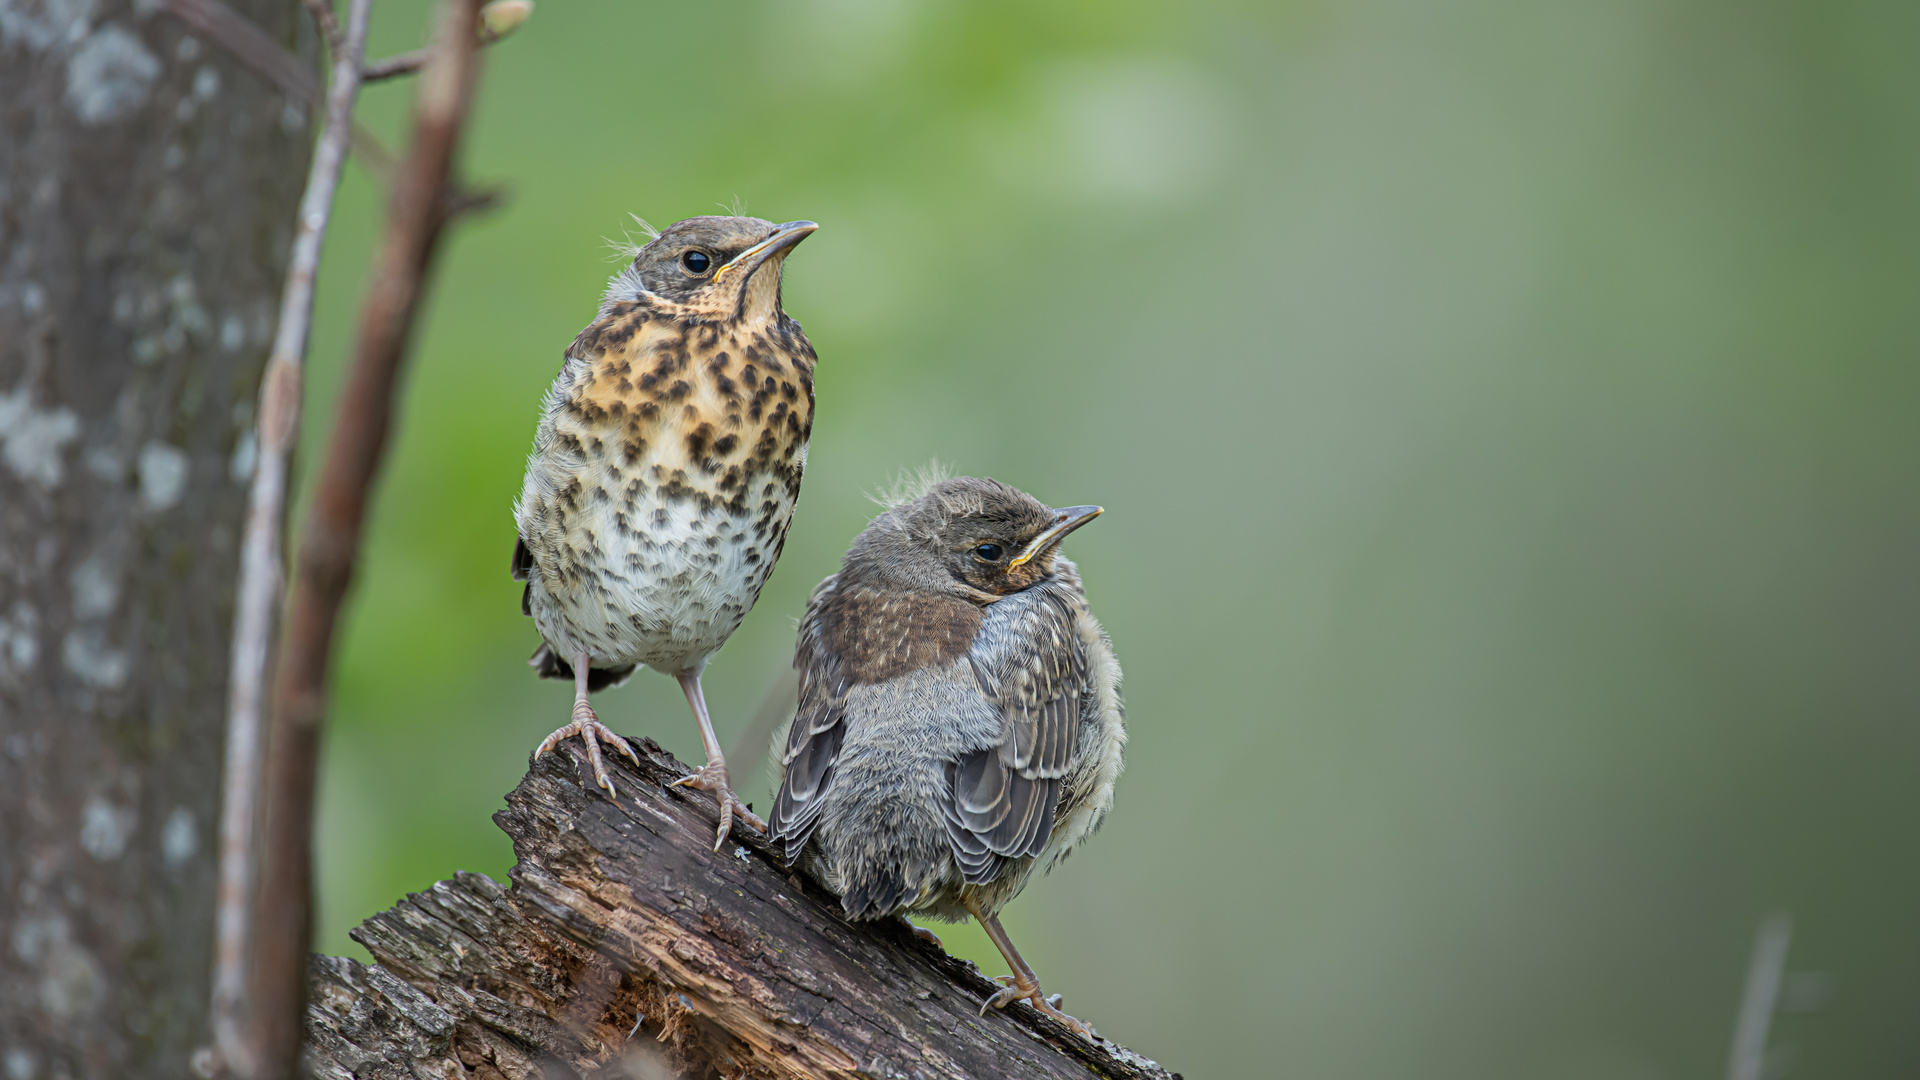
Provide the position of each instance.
(625, 947)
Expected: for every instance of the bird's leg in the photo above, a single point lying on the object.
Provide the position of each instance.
(588, 726)
(1024, 983)
(713, 775)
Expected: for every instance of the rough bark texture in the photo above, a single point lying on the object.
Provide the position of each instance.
(625, 947)
(147, 193)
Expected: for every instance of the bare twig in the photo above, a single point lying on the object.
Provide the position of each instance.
(249, 44)
(252, 46)
(278, 424)
(754, 742)
(322, 12)
(462, 201)
(370, 152)
(407, 63)
(264, 56)
(416, 214)
(498, 18)
(1748, 1057)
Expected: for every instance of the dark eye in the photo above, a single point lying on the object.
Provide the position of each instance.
(989, 552)
(696, 262)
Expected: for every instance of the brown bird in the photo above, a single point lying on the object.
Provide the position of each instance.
(960, 723)
(664, 473)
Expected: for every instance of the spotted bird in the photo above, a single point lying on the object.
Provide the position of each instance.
(664, 473)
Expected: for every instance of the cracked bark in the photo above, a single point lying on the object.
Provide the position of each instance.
(147, 193)
(625, 947)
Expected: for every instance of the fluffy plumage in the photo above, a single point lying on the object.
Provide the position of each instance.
(960, 722)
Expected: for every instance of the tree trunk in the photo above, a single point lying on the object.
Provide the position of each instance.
(147, 190)
(627, 948)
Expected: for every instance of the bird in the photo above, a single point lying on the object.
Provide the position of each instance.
(664, 473)
(959, 723)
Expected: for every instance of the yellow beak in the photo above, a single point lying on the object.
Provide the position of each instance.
(784, 237)
(1064, 521)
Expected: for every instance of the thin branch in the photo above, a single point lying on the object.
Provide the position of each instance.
(259, 52)
(407, 63)
(417, 213)
(462, 201)
(253, 47)
(259, 587)
(1748, 1058)
(250, 45)
(322, 12)
(751, 746)
(370, 152)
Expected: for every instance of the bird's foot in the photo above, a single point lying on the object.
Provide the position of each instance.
(713, 777)
(1018, 989)
(922, 933)
(590, 730)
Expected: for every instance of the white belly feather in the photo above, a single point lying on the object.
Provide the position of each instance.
(639, 576)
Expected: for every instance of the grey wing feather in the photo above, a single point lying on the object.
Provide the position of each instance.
(813, 743)
(1003, 796)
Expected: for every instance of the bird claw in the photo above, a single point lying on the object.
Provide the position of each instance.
(923, 933)
(712, 777)
(591, 731)
(1013, 989)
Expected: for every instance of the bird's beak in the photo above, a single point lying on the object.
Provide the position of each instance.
(1064, 522)
(783, 238)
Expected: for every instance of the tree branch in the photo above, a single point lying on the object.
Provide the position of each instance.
(236, 1050)
(498, 19)
(626, 947)
(417, 211)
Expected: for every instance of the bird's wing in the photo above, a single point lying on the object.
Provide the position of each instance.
(522, 559)
(522, 571)
(819, 727)
(1002, 798)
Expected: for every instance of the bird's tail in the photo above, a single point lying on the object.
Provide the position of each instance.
(877, 894)
(550, 666)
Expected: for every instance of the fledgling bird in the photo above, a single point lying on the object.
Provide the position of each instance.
(959, 723)
(664, 473)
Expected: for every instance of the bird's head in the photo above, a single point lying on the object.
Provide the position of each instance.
(976, 538)
(721, 267)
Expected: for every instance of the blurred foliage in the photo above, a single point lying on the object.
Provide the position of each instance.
(1506, 415)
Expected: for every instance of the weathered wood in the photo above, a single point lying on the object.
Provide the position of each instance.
(626, 948)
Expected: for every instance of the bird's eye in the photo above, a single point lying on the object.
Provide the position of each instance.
(696, 262)
(989, 552)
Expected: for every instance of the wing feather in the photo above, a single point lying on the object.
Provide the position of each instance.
(1003, 797)
(522, 559)
(814, 740)
(523, 571)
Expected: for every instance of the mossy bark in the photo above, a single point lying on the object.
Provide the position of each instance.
(148, 185)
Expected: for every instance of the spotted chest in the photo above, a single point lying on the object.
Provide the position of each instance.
(662, 483)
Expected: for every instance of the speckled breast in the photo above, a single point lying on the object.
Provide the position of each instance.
(672, 455)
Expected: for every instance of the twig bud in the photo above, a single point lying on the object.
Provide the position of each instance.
(503, 17)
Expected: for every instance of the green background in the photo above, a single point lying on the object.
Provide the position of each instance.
(1507, 418)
